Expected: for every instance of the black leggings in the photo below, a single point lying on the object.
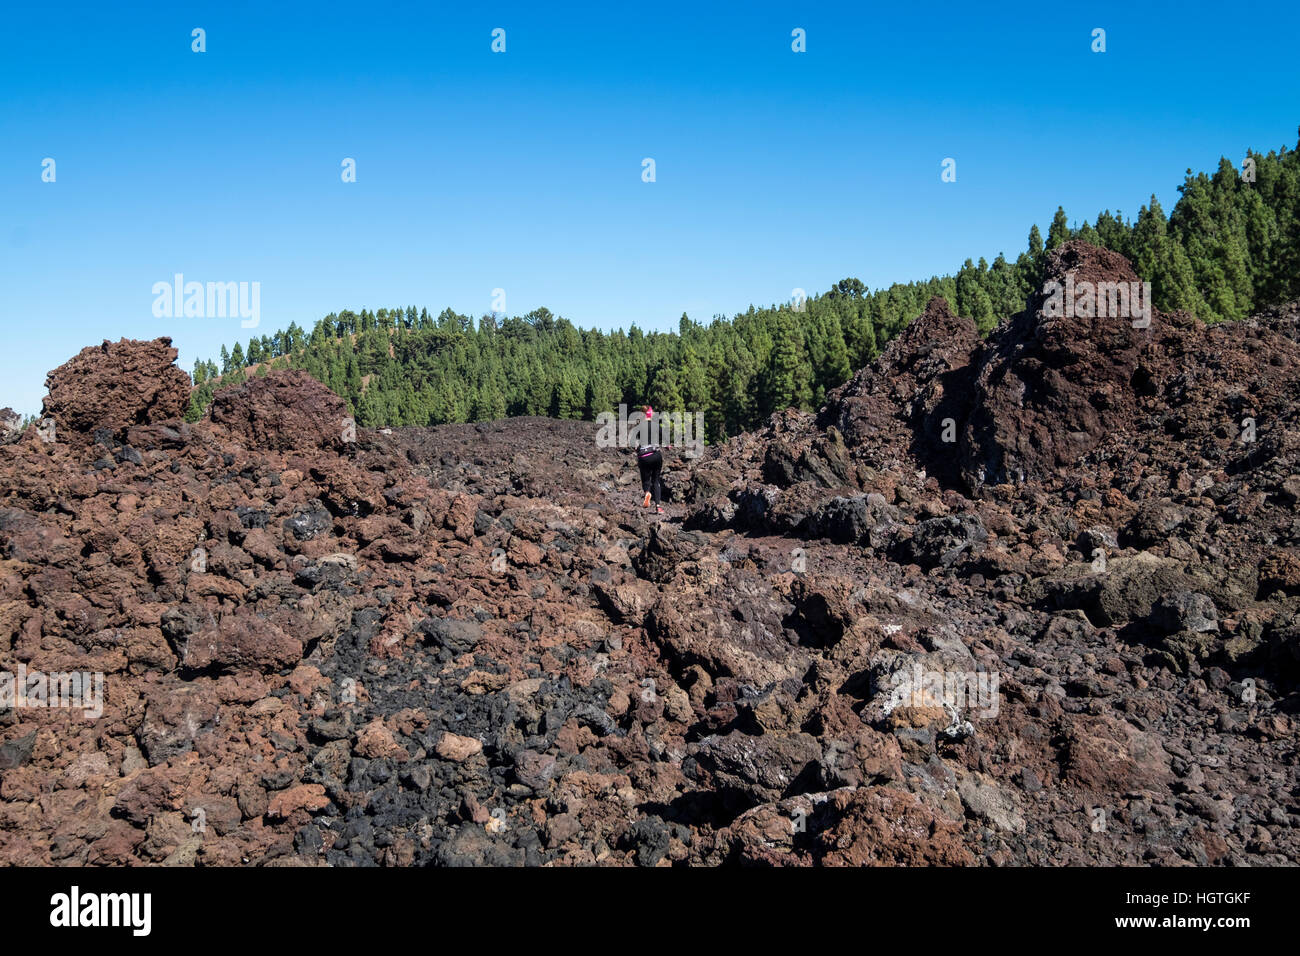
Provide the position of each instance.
(651, 467)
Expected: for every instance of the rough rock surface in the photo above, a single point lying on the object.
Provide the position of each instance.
(284, 409)
(901, 403)
(11, 426)
(114, 386)
(469, 645)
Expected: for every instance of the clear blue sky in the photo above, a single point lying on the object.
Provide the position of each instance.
(522, 170)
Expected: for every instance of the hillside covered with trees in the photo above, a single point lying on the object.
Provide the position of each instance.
(1230, 247)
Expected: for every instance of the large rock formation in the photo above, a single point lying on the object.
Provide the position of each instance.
(114, 386)
(285, 409)
(912, 399)
(1064, 374)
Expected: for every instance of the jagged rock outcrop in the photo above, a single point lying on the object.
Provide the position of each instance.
(913, 399)
(282, 410)
(110, 387)
(1070, 370)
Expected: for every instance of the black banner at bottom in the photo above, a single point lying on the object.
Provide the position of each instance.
(337, 906)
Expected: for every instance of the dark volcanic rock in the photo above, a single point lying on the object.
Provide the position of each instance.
(1186, 611)
(1051, 387)
(901, 404)
(765, 767)
(841, 519)
(15, 753)
(943, 540)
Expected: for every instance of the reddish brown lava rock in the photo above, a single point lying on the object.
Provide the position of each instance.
(308, 796)
(285, 409)
(114, 386)
(1051, 386)
(888, 827)
(241, 640)
(899, 402)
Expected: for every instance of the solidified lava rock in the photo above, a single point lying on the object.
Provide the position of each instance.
(902, 403)
(1061, 383)
(469, 645)
(285, 409)
(114, 386)
(1050, 387)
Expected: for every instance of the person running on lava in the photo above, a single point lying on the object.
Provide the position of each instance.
(650, 462)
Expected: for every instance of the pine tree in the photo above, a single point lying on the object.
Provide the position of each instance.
(972, 298)
(665, 391)
(786, 383)
(1059, 231)
(1035, 242)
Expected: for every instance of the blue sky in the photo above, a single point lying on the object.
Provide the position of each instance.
(522, 170)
